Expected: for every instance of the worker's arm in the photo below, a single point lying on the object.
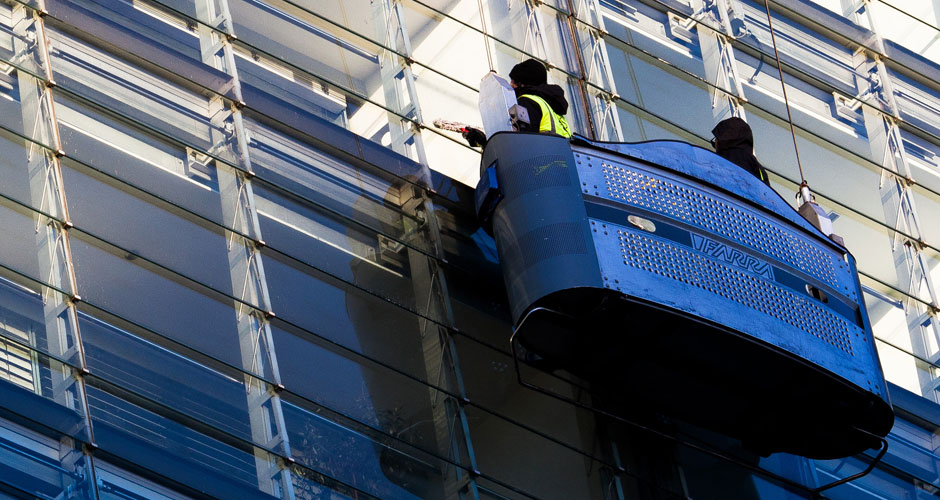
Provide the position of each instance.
(474, 136)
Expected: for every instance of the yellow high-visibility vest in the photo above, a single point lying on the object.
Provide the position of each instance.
(551, 121)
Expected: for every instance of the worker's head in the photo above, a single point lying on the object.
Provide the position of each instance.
(732, 133)
(529, 73)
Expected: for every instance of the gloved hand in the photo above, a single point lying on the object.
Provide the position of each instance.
(474, 136)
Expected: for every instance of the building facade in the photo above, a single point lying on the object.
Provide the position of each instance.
(238, 261)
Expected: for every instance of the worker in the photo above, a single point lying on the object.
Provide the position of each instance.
(544, 102)
(734, 142)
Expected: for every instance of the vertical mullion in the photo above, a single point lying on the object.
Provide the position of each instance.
(239, 212)
(897, 196)
(61, 317)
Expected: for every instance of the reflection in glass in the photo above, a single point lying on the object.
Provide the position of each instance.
(572, 474)
(356, 387)
(343, 314)
(363, 194)
(366, 465)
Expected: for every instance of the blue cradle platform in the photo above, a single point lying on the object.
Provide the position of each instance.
(667, 275)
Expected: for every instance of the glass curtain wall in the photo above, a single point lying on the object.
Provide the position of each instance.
(348, 339)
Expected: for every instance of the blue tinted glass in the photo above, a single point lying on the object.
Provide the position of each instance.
(41, 392)
(155, 299)
(115, 483)
(338, 312)
(358, 388)
(152, 441)
(150, 370)
(31, 469)
(367, 465)
(145, 226)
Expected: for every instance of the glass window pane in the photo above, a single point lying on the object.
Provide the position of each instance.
(561, 472)
(22, 165)
(532, 28)
(30, 245)
(33, 316)
(150, 34)
(913, 25)
(369, 466)
(136, 432)
(116, 483)
(198, 120)
(358, 388)
(147, 227)
(207, 13)
(365, 195)
(155, 299)
(928, 211)
(41, 392)
(338, 312)
(869, 243)
(329, 52)
(151, 370)
(492, 383)
(24, 107)
(133, 155)
(32, 467)
(448, 39)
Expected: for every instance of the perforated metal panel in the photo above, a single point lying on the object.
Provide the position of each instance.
(544, 243)
(668, 260)
(631, 185)
(552, 171)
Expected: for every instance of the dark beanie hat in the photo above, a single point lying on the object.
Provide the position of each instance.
(732, 133)
(529, 72)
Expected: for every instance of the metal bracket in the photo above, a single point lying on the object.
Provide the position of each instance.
(859, 475)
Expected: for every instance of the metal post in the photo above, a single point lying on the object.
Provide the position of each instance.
(239, 213)
(439, 354)
(721, 67)
(428, 283)
(398, 80)
(603, 104)
(534, 41)
(896, 188)
(52, 240)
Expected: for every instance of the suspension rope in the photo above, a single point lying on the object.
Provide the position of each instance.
(786, 102)
(486, 40)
